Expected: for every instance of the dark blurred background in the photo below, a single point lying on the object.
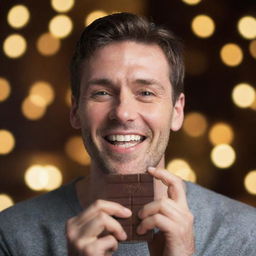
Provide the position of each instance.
(39, 150)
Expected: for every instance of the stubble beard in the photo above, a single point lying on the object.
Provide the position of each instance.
(113, 163)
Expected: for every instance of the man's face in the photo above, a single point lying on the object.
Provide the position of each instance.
(125, 110)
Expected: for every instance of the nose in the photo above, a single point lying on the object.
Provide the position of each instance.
(124, 109)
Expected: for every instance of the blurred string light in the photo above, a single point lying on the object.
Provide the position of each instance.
(32, 110)
(191, 2)
(231, 54)
(203, 26)
(7, 142)
(92, 16)
(5, 89)
(252, 48)
(243, 95)
(62, 5)
(247, 27)
(38, 177)
(5, 201)
(223, 156)
(41, 94)
(195, 124)
(42, 90)
(18, 16)
(76, 151)
(68, 97)
(47, 44)
(14, 46)
(221, 133)
(182, 169)
(253, 106)
(60, 26)
(250, 182)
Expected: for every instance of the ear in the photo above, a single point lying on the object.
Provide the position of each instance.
(74, 117)
(178, 113)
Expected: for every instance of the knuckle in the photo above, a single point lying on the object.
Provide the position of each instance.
(98, 203)
(102, 217)
(157, 218)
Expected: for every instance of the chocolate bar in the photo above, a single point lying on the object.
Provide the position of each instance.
(132, 191)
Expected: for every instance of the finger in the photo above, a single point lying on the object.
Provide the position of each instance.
(96, 226)
(176, 187)
(165, 206)
(111, 208)
(103, 246)
(155, 221)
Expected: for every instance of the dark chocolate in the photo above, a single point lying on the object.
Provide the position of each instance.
(132, 191)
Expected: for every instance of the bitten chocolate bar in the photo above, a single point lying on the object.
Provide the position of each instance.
(132, 191)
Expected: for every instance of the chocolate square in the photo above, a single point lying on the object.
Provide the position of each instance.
(132, 191)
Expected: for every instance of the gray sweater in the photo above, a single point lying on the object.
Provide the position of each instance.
(36, 227)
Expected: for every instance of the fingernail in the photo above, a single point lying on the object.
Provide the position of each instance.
(124, 236)
(127, 211)
(151, 168)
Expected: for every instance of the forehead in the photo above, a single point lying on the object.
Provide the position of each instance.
(127, 58)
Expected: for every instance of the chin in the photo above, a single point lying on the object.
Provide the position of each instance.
(124, 169)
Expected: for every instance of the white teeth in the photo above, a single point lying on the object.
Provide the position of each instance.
(130, 137)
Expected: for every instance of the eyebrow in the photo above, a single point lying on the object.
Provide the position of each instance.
(141, 81)
(150, 81)
(100, 81)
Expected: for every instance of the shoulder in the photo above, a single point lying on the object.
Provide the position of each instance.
(46, 207)
(204, 201)
(219, 218)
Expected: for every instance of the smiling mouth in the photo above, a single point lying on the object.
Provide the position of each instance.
(125, 141)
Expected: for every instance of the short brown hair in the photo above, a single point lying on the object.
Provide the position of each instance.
(122, 27)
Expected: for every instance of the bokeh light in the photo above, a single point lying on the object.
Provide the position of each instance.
(14, 46)
(32, 110)
(47, 44)
(5, 201)
(76, 151)
(203, 26)
(181, 168)
(253, 105)
(5, 89)
(231, 55)
(18, 16)
(38, 177)
(54, 177)
(60, 26)
(243, 95)
(247, 27)
(221, 133)
(191, 2)
(68, 97)
(252, 48)
(195, 124)
(41, 92)
(62, 5)
(94, 15)
(7, 142)
(223, 156)
(250, 182)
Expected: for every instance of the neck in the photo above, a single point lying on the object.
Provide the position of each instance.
(92, 186)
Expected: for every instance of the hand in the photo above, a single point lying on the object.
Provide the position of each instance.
(171, 216)
(84, 232)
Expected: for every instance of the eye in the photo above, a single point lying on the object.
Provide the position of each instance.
(146, 93)
(99, 93)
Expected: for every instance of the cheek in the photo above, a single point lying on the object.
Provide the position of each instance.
(94, 114)
(158, 118)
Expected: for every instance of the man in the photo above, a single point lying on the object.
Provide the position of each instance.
(127, 84)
